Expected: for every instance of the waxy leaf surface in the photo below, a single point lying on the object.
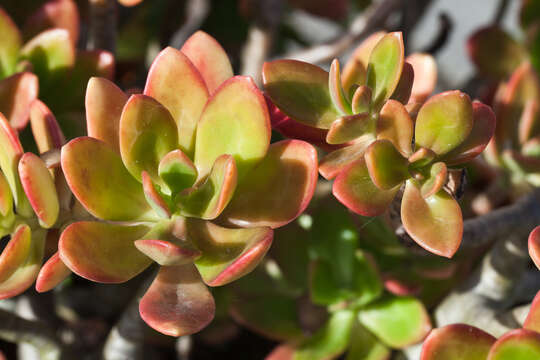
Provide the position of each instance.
(336, 161)
(365, 346)
(348, 128)
(45, 128)
(519, 344)
(355, 69)
(387, 167)
(177, 171)
(337, 93)
(17, 93)
(532, 322)
(534, 246)
(395, 124)
(16, 251)
(154, 197)
(11, 43)
(52, 273)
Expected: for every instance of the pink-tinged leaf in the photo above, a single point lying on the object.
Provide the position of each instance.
(301, 91)
(103, 252)
(9, 162)
(38, 186)
(52, 273)
(387, 167)
(45, 128)
(534, 246)
(177, 303)
(167, 253)
(336, 161)
(421, 158)
(6, 198)
(235, 122)
(437, 177)
(147, 134)
(457, 341)
(208, 199)
(51, 54)
(16, 251)
(177, 171)
(532, 322)
(130, 3)
(282, 352)
(396, 125)
(494, 52)
(361, 100)
(396, 321)
(385, 66)
(278, 189)
(104, 103)
(177, 84)
(154, 198)
(403, 90)
(209, 58)
(26, 272)
(62, 14)
(365, 346)
(425, 76)
(355, 69)
(337, 94)
(97, 177)
(17, 92)
(518, 344)
(11, 43)
(444, 122)
(482, 131)
(349, 127)
(527, 120)
(354, 188)
(227, 254)
(434, 223)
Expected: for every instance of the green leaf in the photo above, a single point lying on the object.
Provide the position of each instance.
(436, 179)
(336, 161)
(6, 198)
(519, 344)
(361, 100)
(365, 346)
(336, 89)
(301, 91)
(177, 171)
(349, 127)
(395, 124)
(16, 251)
(387, 167)
(155, 197)
(11, 43)
(17, 93)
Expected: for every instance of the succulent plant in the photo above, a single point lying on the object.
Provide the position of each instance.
(183, 175)
(376, 131)
(467, 342)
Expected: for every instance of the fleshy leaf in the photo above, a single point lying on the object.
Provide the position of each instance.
(434, 223)
(483, 129)
(154, 198)
(147, 134)
(236, 122)
(103, 252)
(175, 82)
(227, 254)
(349, 127)
(26, 272)
(396, 321)
(532, 322)
(278, 189)
(336, 89)
(527, 121)
(403, 90)
(301, 91)
(457, 341)
(444, 122)
(62, 14)
(130, 3)
(438, 175)
(177, 171)
(177, 303)
(104, 103)
(11, 43)
(16, 251)
(387, 167)
(45, 128)
(329, 341)
(39, 187)
(17, 92)
(354, 188)
(355, 69)
(494, 52)
(209, 58)
(395, 124)
(365, 346)
(421, 158)
(167, 253)
(361, 100)
(425, 76)
(96, 175)
(208, 199)
(6, 198)
(52, 273)
(336, 161)
(534, 246)
(518, 344)
(385, 66)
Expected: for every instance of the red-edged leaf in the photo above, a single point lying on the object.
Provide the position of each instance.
(17, 92)
(436, 179)
(434, 223)
(167, 253)
(403, 90)
(532, 322)
(361, 100)
(421, 158)
(278, 189)
(45, 128)
(16, 252)
(11, 43)
(534, 246)
(6, 198)
(130, 3)
(387, 167)
(177, 303)
(336, 89)
(519, 344)
(396, 125)
(425, 76)
(52, 273)
(209, 58)
(103, 252)
(154, 198)
(349, 127)
(177, 171)
(336, 161)
(61, 14)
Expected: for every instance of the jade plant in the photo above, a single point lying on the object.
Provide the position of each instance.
(321, 308)
(183, 175)
(385, 143)
(466, 342)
